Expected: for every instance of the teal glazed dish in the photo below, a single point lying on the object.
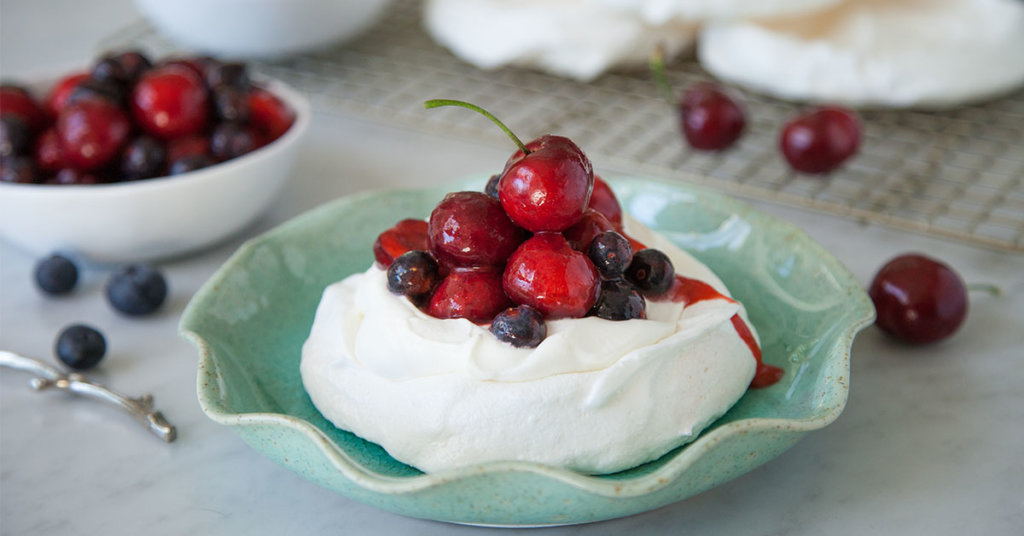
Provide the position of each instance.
(250, 320)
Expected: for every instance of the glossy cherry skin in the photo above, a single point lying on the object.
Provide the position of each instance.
(59, 93)
(711, 119)
(471, 229)
(406, 235)
(582, 233)
(16, 100)
(603, 200)
(49, 156)
(548, 275)
(476, 295)
(549, 188)
(918, 299)
(819, 141)
(170, 102)
(269, 114)
(92, 133)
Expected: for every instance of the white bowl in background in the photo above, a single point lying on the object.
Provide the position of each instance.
(261, 28)
(153, 218)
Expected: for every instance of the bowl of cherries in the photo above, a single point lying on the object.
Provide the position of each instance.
(132, 159)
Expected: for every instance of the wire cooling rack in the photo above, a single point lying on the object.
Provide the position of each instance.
(958, 174)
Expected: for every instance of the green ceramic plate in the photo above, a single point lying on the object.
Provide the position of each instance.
(250, 320)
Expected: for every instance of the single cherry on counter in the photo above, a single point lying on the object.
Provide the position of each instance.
(918, 299)
(819, 141)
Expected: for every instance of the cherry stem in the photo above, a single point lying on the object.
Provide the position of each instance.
(436, 103)
(984, 287)
(660, 79)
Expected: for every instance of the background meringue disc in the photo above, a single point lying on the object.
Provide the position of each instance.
(660, 11)
(893, 53)
(579, 39)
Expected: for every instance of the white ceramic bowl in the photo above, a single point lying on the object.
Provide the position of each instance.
(261, 28)
(153, 218)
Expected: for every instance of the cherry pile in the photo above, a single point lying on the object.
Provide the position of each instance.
(129, 119)
(543, 241)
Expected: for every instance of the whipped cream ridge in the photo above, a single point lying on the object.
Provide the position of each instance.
(595, 396)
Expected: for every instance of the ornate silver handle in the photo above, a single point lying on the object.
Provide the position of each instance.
(50, 377)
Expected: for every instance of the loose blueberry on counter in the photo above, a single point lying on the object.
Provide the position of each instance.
(15, 136)
(611, 254)
(56, 274)
(651, 271)
(619, 301)
(80, 347)
(522, 327)
(413, 274)
(143, 158)
(136, 289)
(190, 162)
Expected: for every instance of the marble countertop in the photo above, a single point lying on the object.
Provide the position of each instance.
(929, 443)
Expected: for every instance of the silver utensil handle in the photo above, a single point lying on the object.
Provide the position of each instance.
(50, 377)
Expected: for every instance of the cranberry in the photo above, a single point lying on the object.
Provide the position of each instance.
(190, 162)
(169, 102)
(413, 274)
(583, 232)
(651, 271)
(49, 156)
(230, 104)
(143, 158)
(711, 119)
(475, 295)
(17, 100)
(619, 301)
(231, 140)
(547, 274)
(59, 93)
(821, 140)
(471, 229)
(15, 136)
(918, 299)
(92, 132)
(549, 188)
(611, 254)
(522, 327)
(187, 145)
(230, 75)
(406, 235)
(269, 114)
(17, 169)
(603, 200)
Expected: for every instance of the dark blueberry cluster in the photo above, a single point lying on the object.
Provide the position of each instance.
(627, 276)
(413, 274)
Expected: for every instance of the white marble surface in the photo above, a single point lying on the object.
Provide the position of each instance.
(930, 442)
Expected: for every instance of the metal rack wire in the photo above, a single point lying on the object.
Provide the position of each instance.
(958, 174)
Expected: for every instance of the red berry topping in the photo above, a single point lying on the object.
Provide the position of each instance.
(583, 232)
(406, 235)
(48, 153)
(92, 132)
(710, 118)
(170, 102)
(549, 188)
(918, 299)
(603, 200)
(471, 229)
(475, 295)
(269, 114)
(548, 275)
(58, 95)
(821, 140)
(16, 100)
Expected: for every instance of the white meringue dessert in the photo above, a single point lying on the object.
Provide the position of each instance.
(595, 396)
(876, 53)
(661, 11)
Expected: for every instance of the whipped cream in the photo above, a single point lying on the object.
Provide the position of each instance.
(595, 396)
(899, 53)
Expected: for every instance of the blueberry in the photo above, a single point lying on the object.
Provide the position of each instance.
(231, 140)
(92, 88)
(413, 274)
(651, 271)
(522, 327)
(230, 104)
(80, 347)
(610, 252)
(136, 289)
(619, 301)
(143, 158)
(190, 162)
(17, 169)
(109, 70)
(56, 274)
(229, 74)
(492, 186)
(15, 136)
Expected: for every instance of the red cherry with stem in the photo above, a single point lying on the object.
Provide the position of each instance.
(59, 93)
(603, 200)
(819, 141)
(269, 114)
(471, 229)
(476, 295)
(170, 102)
(711, 119)
(918, 299)
(92, 132)
(406, 235)
(548, 275)
(583, 232)
(546, 184)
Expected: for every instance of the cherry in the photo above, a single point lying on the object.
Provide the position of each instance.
(92, 132)
(269, 114)
(49, 156)
(918, 299)
(651, 271)
(711, 120)
(619, 301)
(820, 141)
(547, 274)
(143, 158)
(475, 295)
(18, 101)
(471, 229)
(169, 102)
(231, 140)
(603, 200)
(59, 93)
(584, 231)
(413, 274)
(611, 254)
(522, 327)
(406, 235)
(187, 145)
